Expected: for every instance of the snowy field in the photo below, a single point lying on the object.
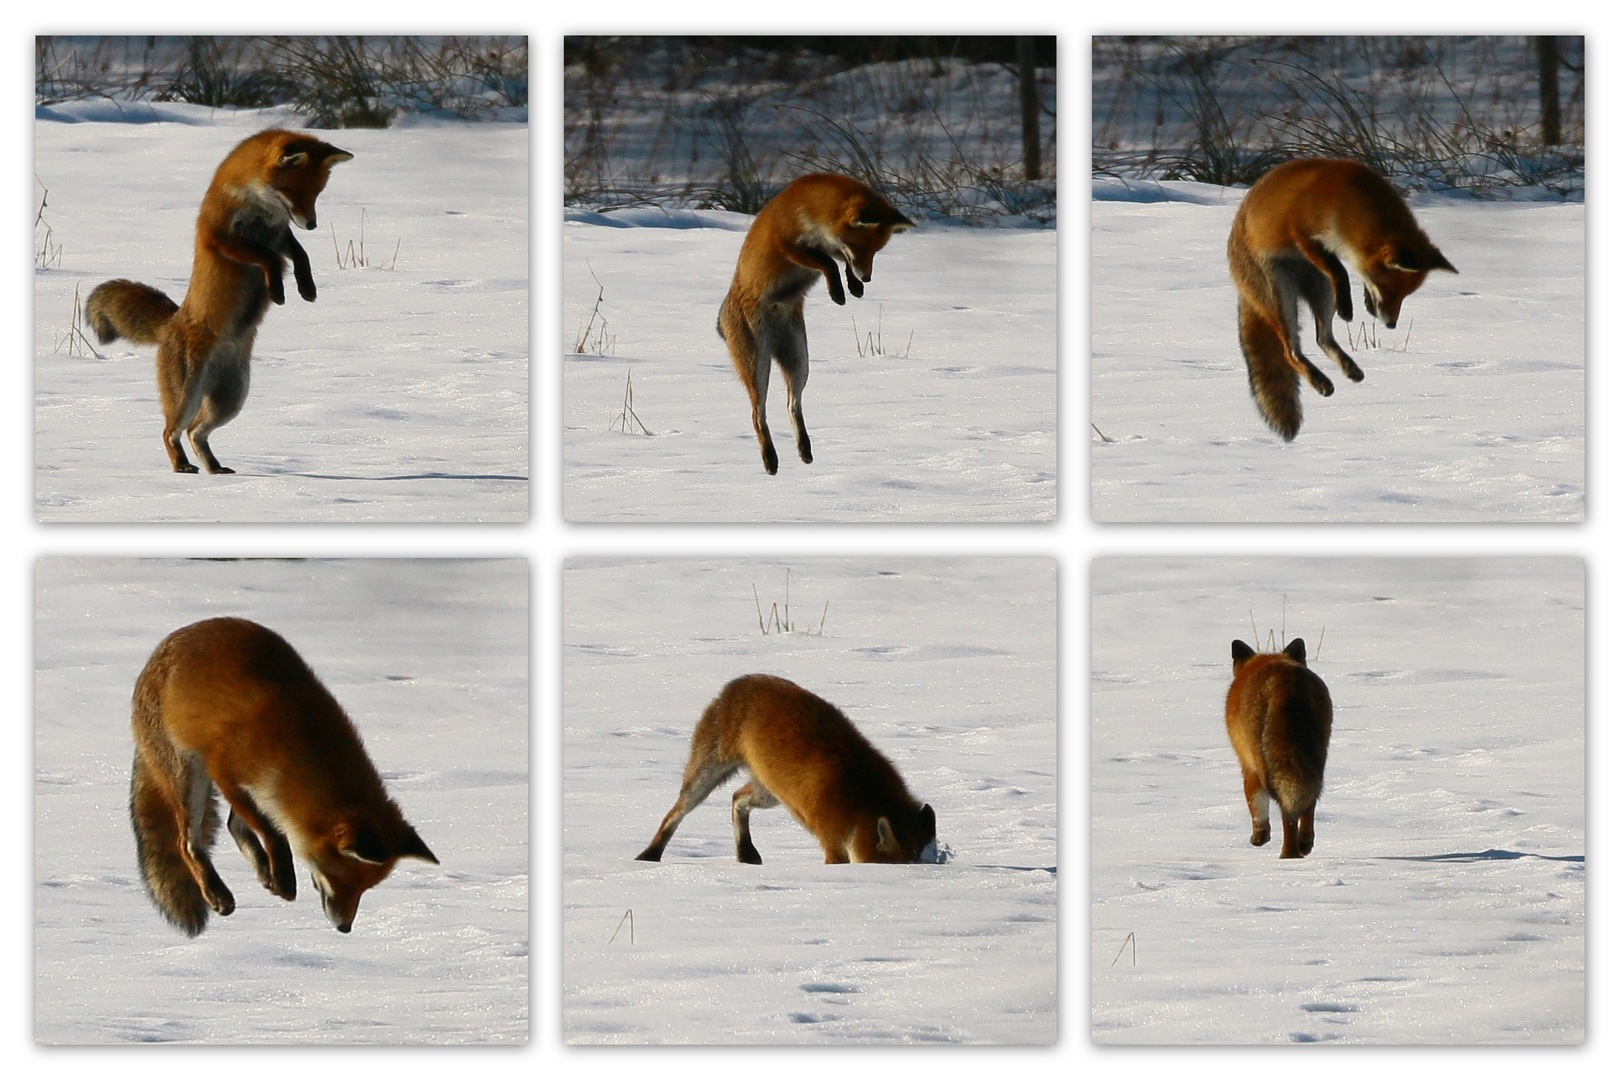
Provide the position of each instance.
(400, 394)
(954, 420)
(949, 667)
(1445, 902)
(1473, 409)
(431, 661)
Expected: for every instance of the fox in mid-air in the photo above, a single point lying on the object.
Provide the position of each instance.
(1296, 228)
(804, 754)
(798, 238)
(1279, 717)
(244, 240)
(226, 703)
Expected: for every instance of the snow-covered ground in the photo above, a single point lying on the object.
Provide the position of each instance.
(954, 420)
(1473, 409)
(430, 658)
(1445, 901)
(949, 667)
(400, 394)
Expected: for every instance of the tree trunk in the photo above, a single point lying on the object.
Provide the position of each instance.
(1547, 59)
(1031, 107)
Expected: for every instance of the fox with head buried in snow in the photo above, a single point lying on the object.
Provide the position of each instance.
(803, 754)
(244, 240)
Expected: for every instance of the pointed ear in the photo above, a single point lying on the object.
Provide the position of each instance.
(411, 847)
(1440, 263)
(364, 844)
(1296, 650)
(886, 840)
(1240, 651)
(338, 156)
(292, 161)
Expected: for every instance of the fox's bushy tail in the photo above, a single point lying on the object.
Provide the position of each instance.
(152, 814)
(1272, 379)
(127, 309)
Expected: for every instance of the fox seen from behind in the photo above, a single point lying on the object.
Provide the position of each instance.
(1279, 718)
(244, 239)
(1293, 234)
(803, 753)
(798, 238)
(227, 703)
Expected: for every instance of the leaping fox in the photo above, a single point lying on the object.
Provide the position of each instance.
(799, 237)
(227, 703)
(1293, 228)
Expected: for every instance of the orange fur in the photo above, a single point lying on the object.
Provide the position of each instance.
(227, 703)
(1293, 228)
(1279, 718)
(795, 240)
(806, 755)
(244, 239)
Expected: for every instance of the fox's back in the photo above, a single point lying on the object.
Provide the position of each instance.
(240, 696)
(801, 747)
(1341, 202)
(1279, 717)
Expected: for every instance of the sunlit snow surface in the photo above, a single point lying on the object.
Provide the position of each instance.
(430, 659)
(949, 668)
(400, 394)
(1445, 900)
(1473, 408)
(953, 419)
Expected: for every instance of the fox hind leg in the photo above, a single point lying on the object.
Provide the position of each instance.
(197, 834)
(751, 796)
(1320, 293)
(1259, 803)
(750, 355)
(701, 779)
(793, 355)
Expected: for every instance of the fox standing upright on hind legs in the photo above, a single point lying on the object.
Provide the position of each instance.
(793, 242)
(1295, 225)
(1279, 718)
(227, 703)
(244, 238)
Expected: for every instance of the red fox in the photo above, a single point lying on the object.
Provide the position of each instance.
(803, 754)
(795, 239)
(1295, 225)
(1279, 717)
(228, 703)
(243, 238)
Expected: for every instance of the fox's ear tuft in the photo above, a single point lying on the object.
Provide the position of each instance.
(1240, 650)
(1296, 650)
(292, 161)
(411, 847)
